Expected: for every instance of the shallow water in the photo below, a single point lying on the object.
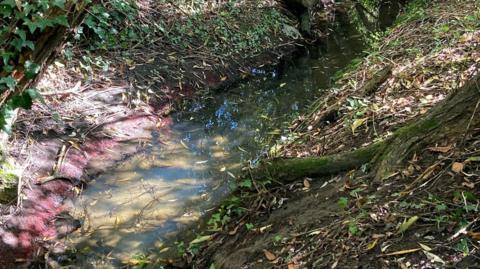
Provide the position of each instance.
(152, 199)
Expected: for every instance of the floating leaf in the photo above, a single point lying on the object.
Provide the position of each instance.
(407, 224)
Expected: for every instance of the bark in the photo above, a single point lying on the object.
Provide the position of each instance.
(453, 117)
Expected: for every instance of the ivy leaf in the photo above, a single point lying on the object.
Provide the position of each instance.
(59, 3)
(31, 69)
(35, 95)
(21, 34)
(9, 3)
(32, 26)
(6, 118)
(6, 56)
(61, 20)
(9, 81)
(23, 100)
(18, 44)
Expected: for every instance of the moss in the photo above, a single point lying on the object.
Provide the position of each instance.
(8, 182)
(417, 128)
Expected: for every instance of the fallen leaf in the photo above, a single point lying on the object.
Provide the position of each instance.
(306, 183)
(433, 257)
(473, 159)
(201, 239)
(291, 265)
(425, 247)
(401, 252)
(473, 235)
(405, 225)
(440, 149)
(357, 123)
(372, 245)
(457, 167)
(269, 255)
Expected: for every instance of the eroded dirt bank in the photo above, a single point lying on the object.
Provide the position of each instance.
(424, 215)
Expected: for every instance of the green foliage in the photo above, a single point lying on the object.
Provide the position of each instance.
(342, 202)
(229, 208)
(117, 25)
(21, 23)
(8, 181)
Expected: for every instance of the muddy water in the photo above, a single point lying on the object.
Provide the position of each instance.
(151, 200)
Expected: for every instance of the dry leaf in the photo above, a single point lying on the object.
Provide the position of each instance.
(433, 257)
(425, 247)
(473, 235)
(457, 167)
(440, 149)
(269, 255)
(306, 183)
(401, 252)
(291, 265)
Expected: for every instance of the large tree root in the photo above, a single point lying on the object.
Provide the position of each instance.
(453, 117)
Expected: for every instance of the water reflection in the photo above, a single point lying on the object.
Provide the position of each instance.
(143, 204)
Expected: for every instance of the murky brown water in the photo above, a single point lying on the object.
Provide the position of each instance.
(148, 202)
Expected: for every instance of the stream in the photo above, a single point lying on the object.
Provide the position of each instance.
(156, 198)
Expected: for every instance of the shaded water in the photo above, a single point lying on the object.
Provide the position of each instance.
(152, 199)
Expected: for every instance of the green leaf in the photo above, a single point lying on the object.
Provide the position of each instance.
(35, 95)
(6, 56)
(21, 34)
(247, 183)
(32, 26)
(201, 239)
(6, 116)
(9, 81)
(405, 225)
(24, 101)
(61, 20)
(249, 226)
(212, 266)
(59, 3)
(342, 202)
(352, 228)
(463, 247)
(31, 69)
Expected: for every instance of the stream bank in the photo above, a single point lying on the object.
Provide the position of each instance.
(99, 110)
(423, 215)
